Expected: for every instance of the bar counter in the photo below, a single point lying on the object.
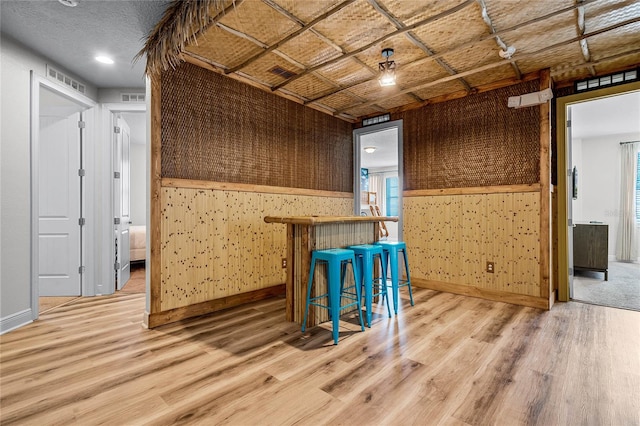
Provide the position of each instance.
(308, 233)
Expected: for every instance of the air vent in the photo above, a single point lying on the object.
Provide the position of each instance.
(133, 97)
(282, 72)
(607, 80)
(56, 75)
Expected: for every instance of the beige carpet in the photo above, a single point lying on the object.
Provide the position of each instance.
(136, 283)
(621, 291)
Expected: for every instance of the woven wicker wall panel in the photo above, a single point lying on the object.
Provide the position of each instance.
(218, 129)
(450, 239)
(216, 243)
(498, 73)
(473, 141)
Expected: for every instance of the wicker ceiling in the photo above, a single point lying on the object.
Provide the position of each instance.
(442, 48)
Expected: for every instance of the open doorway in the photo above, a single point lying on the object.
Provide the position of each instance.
(601, 130)
(58, 174)
(130, 201)
(379, 168)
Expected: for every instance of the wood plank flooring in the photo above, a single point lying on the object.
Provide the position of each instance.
(449, 360)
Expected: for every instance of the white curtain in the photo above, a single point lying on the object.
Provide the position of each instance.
(627, 243)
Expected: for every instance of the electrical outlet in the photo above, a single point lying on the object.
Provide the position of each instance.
(490, 267)
(284, 262)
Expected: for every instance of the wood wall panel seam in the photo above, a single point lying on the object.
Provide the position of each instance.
(243, 187)
(502, 189)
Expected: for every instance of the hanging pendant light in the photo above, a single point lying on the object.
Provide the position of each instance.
(387, 69)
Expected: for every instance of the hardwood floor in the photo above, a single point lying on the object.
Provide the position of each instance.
(448, 360)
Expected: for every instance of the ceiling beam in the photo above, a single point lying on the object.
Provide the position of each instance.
(597, 62)
(470, 43)
(424, 85)
(580, 29)
(291, 36)
(378, 41)
(492, 30)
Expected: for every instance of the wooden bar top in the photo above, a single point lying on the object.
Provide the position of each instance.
(319, 220)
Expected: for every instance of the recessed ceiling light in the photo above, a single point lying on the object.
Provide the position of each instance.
(70, 3)
(104, 60)
(369, 149)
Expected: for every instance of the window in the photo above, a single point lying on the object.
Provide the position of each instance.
(392, 196)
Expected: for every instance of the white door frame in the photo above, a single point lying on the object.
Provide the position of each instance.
(37, 82)
(109, 110)
(357, 134)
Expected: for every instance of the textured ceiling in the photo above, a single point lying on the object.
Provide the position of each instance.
(73, 36)
(443, 49)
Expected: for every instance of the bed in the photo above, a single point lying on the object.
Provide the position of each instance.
(138, 241)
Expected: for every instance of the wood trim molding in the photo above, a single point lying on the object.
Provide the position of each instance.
(497, 296)
(503, 189)
(545, 191)
(157, 319)
(243, 187)
(155, 204)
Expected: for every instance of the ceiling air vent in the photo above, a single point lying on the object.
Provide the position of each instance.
(282, 72)
(56, 75)
(132, 97)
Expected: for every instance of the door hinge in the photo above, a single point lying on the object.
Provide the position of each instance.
(570, 223)
(81, 124)
(569, 172)
(570, 271)
(81, 270)
(116, 129)
(116, 266)
(116, 221)
(82, 221)
(81, 172)
(116, 175)
(568, 123)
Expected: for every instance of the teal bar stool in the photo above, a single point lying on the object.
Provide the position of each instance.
(366, 254)
(391, 251)
(335, 259)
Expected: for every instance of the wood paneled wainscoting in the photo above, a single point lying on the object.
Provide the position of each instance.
(452, 235)
(216, 251)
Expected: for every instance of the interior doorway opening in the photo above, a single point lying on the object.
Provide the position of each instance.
(378, 180)
(59, 199)
(601, 130)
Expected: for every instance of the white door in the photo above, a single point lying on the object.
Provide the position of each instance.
(571, 182)
(59, 205)
(122, 202)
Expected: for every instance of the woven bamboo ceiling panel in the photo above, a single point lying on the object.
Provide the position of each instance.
(325, 53)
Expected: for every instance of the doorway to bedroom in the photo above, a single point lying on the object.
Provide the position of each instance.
(130, 195)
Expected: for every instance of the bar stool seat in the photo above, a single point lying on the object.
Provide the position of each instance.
(391, 250)
(373, 286)
(335, 259)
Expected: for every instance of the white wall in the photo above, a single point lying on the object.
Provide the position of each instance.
(15, 193)
(599, 181)
(138, 184)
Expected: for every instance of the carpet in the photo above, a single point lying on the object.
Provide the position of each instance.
(136, 283)
(621, 291)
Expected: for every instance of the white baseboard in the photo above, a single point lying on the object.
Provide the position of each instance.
(13, 321)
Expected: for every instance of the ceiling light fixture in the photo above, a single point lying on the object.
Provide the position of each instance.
(104, 60)
(387, 69)
(369, 149)
(69, 3)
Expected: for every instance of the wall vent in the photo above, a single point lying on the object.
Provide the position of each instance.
(133, 97)
(608, 80)
(282, 72)
(56, 75)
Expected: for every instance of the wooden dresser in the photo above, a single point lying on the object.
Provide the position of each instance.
(591, 247)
